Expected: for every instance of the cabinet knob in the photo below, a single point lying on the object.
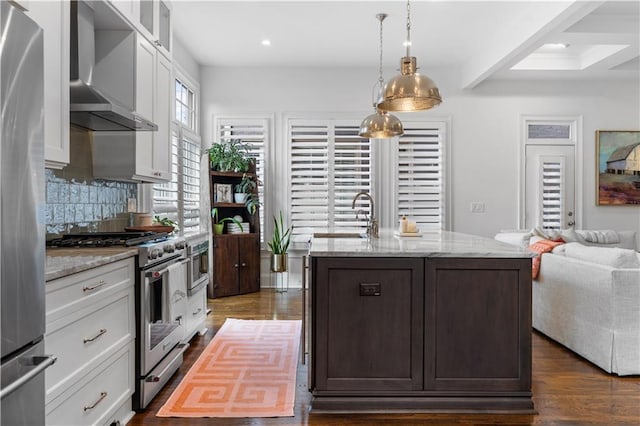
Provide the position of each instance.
(243, 264)
(235, 265)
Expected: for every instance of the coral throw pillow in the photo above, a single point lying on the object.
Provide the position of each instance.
(542, 246)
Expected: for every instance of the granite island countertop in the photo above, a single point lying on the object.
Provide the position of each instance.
(428, 244)
(61, 262)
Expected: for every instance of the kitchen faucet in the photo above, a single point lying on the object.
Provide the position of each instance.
(372, 223)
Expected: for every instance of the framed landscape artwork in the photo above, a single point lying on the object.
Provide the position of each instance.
(618, 163)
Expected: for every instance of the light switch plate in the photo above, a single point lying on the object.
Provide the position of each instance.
(477, 207)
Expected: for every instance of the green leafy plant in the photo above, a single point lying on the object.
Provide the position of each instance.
(249, 186)
(165, 221)
(280, 239)
(214, 216)
(230, 156)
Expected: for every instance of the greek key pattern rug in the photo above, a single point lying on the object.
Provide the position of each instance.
(247, 370)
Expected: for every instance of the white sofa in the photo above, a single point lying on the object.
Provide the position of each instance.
(587, 297)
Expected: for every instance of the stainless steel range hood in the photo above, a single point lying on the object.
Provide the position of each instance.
(90, 108)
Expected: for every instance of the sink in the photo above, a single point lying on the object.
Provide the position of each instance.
(339, 235)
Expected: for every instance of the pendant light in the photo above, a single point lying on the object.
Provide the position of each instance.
(409, 91)
(381, 124)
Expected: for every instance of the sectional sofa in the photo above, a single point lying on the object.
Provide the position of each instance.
(587, 295)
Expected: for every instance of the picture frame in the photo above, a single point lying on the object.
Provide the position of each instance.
(617, 167)
(223, 193)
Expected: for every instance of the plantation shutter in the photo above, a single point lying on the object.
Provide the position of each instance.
(329, 164)
(253, 134)
(190, 183)
(179, 199)
(420, 183)
(552, 192)
(165, 195)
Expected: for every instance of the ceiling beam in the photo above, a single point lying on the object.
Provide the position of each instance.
(522, 38)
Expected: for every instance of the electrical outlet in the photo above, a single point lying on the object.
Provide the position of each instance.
(477, 207)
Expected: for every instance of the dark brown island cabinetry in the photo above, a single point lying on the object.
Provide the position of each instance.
(421, 334)
(236, 256)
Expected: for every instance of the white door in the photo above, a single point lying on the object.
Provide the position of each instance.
(550, 186)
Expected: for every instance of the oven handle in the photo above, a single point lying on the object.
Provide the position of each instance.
(156, 274)
(156, 378)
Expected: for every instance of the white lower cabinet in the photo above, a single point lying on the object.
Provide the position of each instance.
(196, 313)
(91, 330)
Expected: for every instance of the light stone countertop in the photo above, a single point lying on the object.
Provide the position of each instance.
(428, 244)
(66, 261)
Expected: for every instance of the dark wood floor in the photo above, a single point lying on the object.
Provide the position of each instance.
(567, 390)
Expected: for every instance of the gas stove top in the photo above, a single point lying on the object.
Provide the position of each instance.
(107, 239)
(153, 247)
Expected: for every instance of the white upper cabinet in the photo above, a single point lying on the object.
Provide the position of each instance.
(130, 9)
(53, 18)
(142, 156)
(155, 23)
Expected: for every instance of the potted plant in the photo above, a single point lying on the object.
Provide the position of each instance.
(230, 157)
(218, 226)
(245, 188)
(279, 244)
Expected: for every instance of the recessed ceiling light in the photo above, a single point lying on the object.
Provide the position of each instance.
(266, 42)
(555, 45)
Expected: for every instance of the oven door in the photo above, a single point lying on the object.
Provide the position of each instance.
(164, 305)
(198, 268)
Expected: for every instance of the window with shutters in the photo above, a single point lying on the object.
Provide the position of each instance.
(552, 192)
(420, 182)
(328, 164)
(179, 199)
(253, 133)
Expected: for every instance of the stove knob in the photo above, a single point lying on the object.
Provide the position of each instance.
(153, 254)
(180, 245)
(169, 248)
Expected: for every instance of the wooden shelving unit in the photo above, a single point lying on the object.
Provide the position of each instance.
(236, 257)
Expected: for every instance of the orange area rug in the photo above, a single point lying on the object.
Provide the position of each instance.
(248, 370)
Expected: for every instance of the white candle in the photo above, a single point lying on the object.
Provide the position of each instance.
(131, 205)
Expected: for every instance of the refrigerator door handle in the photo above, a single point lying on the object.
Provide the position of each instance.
(41, 363)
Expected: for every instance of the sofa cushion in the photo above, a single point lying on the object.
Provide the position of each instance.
(610, 256)
(514, 237)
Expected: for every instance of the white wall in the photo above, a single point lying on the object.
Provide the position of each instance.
(485, 133)
(185, 61)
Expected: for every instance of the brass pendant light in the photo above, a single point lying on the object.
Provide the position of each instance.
(381, 124)
(409, 91)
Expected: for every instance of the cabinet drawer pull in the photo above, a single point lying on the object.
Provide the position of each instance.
(100, 284)
(103, 395)
(100, 333)
(197, 312)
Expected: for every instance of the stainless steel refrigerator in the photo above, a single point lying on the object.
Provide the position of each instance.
(22, 206)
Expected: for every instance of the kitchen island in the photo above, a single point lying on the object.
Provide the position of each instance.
(435, 323)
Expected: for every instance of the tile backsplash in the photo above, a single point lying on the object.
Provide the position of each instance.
(76, 202)
(85, 206)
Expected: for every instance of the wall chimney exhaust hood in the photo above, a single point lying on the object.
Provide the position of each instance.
(90, 107)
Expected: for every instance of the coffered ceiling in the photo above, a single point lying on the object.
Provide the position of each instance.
(480, 40)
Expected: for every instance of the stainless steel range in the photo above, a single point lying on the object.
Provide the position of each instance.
(161, 303)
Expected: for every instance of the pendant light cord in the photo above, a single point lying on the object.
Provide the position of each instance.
(380, 79)
(408, 29)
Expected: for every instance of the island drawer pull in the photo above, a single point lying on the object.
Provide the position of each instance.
(103, 395)
(100, 284)
(91, 339)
